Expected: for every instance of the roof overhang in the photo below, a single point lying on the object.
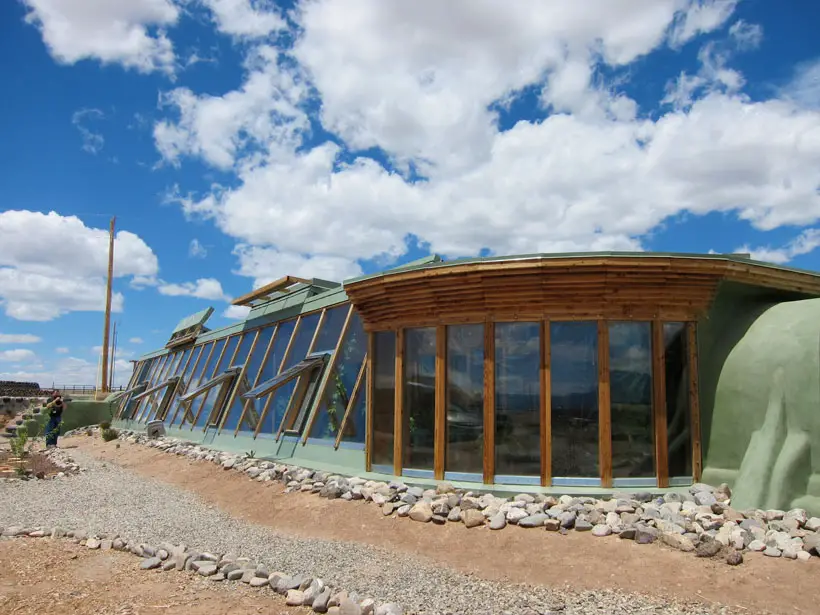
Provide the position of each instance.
(270, 291)
(570, 287)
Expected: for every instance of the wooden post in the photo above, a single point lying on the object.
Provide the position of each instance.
(546, 406)
(107, 325)
(113, 359)
(368, 443)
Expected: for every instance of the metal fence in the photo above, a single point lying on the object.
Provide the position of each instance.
(83, 388)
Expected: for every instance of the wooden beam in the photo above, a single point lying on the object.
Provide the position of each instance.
(546, 405)
(357, 389)
(398, 423)
(489, 402)
(694, 399)
(257, 379)
(659, 409)
(368, 441)
(440, 431)
(281, 284)
(604, 410)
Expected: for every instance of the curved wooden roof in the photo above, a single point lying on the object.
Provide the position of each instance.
(564, 287)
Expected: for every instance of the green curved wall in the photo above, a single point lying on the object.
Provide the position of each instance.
(760, 361)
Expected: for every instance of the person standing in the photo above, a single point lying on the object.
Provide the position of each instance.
(55, 417)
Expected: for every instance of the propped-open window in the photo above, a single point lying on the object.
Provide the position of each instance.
(224, 383)
(165, 391)
(307, 373)
(130, 402)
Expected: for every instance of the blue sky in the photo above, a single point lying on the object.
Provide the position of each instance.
(237, 141)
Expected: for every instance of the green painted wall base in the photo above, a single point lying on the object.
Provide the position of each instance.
(76, 414)
(765, 432)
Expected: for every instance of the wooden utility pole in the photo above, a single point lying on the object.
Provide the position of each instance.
(113, 361)
(104, 387)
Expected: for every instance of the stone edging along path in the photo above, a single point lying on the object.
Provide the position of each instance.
(701, 521)
(299, 590)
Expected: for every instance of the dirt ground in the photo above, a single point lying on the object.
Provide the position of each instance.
(579, 560)
(60, 578)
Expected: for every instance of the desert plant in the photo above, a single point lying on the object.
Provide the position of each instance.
(105, 425)
(109, 434)
(250, 455)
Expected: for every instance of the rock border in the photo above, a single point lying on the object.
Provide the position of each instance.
(64, 462)
(298, 589)
(701, 521)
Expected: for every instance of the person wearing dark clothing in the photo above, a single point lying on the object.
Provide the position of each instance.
(55, 417)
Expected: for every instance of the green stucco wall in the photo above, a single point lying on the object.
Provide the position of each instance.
(80, 413)
(760, 398)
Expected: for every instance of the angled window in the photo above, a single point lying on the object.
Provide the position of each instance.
(192, 380)
(222, 382)
(163, 392)
(138, 384)
(306, 375)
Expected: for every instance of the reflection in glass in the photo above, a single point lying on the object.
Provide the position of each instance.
(328, 336)
(419, 398)
(340, 387)
(239, 359)
(271, 369)
(153, 379)
(192, 383)
(155, 399)
(465, 399)
(384, 396)
(179, 366)
(677, 399)
(630, 394)
(356, 421)
(251, 375)
(574, 400)
(298, 350)
(208, 408)
(186, 375)
(207, 374)
(517, 399)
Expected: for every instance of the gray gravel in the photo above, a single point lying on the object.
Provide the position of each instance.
(106, 498)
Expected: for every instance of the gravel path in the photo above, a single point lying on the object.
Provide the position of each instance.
(106, 498)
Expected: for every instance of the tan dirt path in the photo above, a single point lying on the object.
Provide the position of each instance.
(514, 554)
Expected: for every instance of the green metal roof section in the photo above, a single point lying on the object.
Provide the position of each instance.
(193, 320)
(432, 264)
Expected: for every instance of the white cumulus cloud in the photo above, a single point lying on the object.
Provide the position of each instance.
(19, 338)
(203, 288)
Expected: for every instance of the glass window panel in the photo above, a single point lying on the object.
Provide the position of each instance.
(152, 401)
(328, 337)
(196, 378)
(677, 399)
(212, 396)
(465, 399)
(299, 348)
(176, 368)
(384, 396)
(517, 399)
(241, 358)
(419, 398)
(152, 380)
(271, 368)
(574, 387)
(186, 375)
(252, 375)
(340, 386)
(630, 394)
(356, 426)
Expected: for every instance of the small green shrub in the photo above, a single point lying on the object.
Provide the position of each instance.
(110, 434)
(105, 425)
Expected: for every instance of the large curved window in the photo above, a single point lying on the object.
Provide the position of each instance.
(419, 398)
(517, 399)
(676, 367)
(630, 394)
(464, 450)
(574, 399)
(384, 398)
